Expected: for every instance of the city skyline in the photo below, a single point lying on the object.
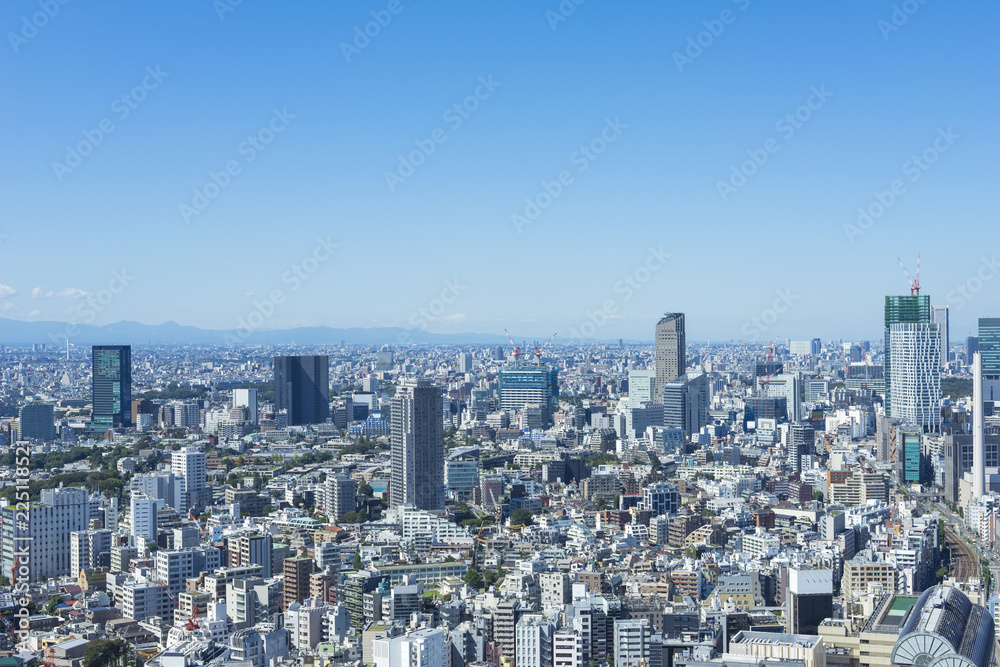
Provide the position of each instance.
(307, 148)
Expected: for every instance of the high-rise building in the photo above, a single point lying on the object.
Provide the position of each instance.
(165, 486)
(685, 403)
(44, 529)
(641, 386)
(801, 442)
(464, 362)
(914, 382)
(908, 441)
(36, 421)
(971, 347)
(89, 550)
(804, 348)
(670, 349)
(939, 315)
(111, 387)
(784, 385)
(246, 398)
(913, 309)
(253, 550)
(427, 647)
(296, 578)
(989, 348)
(188, 464)
(302, 387)
(143, 512)
(339, 495)
(417, 477)
(533, 641)
(527, 385)
(384, 360)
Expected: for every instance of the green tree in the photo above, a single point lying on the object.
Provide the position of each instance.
(366, 490)
(942, 573)
(473, 578)
(818, 495)
(54, 602)
(109, 653)
(358, 564)
(521, 517)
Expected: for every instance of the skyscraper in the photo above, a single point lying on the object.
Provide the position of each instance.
(989, 347)
(302, 387)
(111, 386)
(915, 383)
(899, 310)
(685, 403)
(417, 477)
(534, 385)
(939, 315)
(35, 421)
(670, 349)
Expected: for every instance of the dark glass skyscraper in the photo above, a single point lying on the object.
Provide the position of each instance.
(302, 387)
(111, 387)
(417, 477)
(899, 310)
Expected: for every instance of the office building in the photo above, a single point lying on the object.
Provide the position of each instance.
(908, 453)
(247, 550)
(45, 531)
(632, 642)
(660, 498)
(971, 347)
(36, 421)
(526, 386)
(461, 475)
(805, 348)
(940, 317)
(809, 600)
(670, 349)
(913, 387)
(246, 398)
(913, 309)
(188, 465)
(175, 566)
(783, 385)
(165, 486)
(641, 386)
(464, 362)
(143, 512)
(302, 388)
(989, 349)
(685, 403)
(533, 641)
(111, 383)
(417, 439)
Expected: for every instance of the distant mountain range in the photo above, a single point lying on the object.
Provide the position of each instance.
(54, 334)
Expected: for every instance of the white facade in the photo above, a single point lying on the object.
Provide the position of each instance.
(420, 648)
(533, 641)
(304, 623)
(188, 463)
(246, 398)
(915, 382)
(631, 642)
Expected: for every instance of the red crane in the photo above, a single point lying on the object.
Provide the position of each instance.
(192, 623)
(767, 370)
(538, 350)
(914, 282)
(517, 348)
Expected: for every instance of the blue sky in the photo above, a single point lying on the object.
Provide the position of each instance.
(441, 247)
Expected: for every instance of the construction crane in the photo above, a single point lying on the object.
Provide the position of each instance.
(914, 282)
(766, 382)
(192, 623)
(517, 348)
(538, 350)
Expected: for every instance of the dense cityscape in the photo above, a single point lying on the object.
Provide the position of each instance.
(801, 503)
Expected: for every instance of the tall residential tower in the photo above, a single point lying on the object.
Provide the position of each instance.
(670, 346)
(417, 477)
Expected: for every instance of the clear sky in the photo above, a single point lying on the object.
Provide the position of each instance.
(311, 117)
